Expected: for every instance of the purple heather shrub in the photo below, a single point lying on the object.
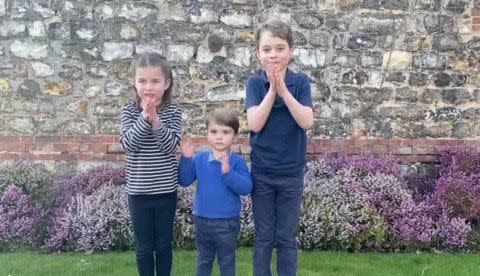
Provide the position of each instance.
(346, 206)
(453, 232)
(183, 224)
(34, 180)
(464, 159)
(247, 228)
(363, 164)
(414, 224)
(459, 194)
(101, 220)
(87, 182)
(61, 231)
(421, 179)
(19, 219)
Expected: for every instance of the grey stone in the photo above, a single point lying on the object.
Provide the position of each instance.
(42, 69)
(226, 92)
(346, 59)
(77, 126)
(447, 113)
(21, 125)
(236, 19)
(37, 29)
(193, 91)
(471, 113)
(108, 108)
(28, 49)
(458, 80)
(2, 7)
(377, 95)
(429, 61)
(202, 15)
(436, 23)
(456, 6)
(447, 43)
(355, 77)
(338, 22)
(70, 72)
(385, 4)
(310, 57)
(418, 79)
(361, 41)
(371, 25)
(299, 39)
(98, 71)
(109, 126)
(12, 29)
(116, 89)
(405, 112)
(321, 39)
(442, 79)
(331, 128)
(371, 59)
(29, 89)
(382, 129)
(456, 96)
(466, 129)
(180, 52)
(113, 51)
(309, 20)
(58, 30)
(396, 77)
(240, 56)
(405, 94)
(430, 96)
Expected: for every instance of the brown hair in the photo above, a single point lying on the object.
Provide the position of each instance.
(156, 60)
(278, 28)
(224, 117)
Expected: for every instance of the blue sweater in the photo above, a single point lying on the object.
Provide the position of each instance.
(217, 194)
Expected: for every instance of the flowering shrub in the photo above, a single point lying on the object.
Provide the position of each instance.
(33, 179)
(87, 182)
(19, 219)
(183, 224)
(70, 193)
(348, 208)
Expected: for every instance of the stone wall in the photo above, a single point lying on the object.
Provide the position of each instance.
(393, 76)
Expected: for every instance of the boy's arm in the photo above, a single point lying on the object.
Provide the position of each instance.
(257, 109)
(301, 110)
(303, 115)
(132, 129)
(186, 171)
(238, 178)
(168, 136)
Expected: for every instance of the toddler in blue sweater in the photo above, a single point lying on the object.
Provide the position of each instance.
(222, 178)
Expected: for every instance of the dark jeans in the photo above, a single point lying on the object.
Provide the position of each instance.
(276, 209)
(216, 236)
(152, 219)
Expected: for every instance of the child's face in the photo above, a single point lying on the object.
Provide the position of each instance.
(220, 137)
(150, 83)
(273, 51)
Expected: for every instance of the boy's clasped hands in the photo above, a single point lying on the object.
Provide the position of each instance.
(276, 77)
(188, 150)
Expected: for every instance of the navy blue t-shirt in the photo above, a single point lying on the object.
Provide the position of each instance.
(280, 147)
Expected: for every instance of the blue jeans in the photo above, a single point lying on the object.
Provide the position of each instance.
(216, 236)
(276, 204)
(152, 219)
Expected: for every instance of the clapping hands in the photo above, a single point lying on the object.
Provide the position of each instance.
(150, 111)
(188, 148)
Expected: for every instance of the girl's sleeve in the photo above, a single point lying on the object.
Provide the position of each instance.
(132, 128)
(186, 171)
(168, 135)
(239, 179)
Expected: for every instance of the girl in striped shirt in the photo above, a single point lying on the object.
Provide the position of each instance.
(150, 135)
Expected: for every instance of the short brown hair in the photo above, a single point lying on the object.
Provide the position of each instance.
(224, 117)
(278, 28)
(156, 60)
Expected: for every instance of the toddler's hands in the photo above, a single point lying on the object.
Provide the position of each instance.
(225, 161)
(187, 148)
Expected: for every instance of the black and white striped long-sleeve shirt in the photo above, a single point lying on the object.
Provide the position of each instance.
(151, 164)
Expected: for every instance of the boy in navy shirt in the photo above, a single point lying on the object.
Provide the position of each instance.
(222, 178)
(279, 110)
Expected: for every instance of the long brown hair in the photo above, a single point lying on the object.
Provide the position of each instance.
(156, 60)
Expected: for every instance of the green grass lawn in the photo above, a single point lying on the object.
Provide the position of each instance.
(311, 263)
